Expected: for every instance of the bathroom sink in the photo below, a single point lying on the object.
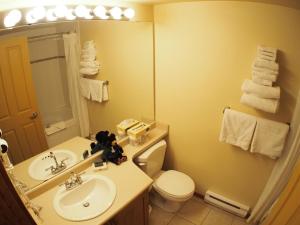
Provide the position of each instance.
(88, 200)
(37, 169)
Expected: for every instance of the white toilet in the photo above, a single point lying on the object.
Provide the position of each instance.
(170, 188)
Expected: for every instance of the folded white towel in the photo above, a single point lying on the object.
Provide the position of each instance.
(89, 44)
(237, 128)
(88, 51)
(269, 138)
(264, 76)
(90, 57)
(88, 71)
(266, 57)
(268, 50)
(261, 91)
(85, 87)
(89, 63)
(260, 81)
(267, 105)
(266, 64)
(96, 87)
(264, 70)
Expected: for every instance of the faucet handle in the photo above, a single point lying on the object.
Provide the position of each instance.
(50, 168)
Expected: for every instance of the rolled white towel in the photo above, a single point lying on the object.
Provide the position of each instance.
(266, 64)
(88, 71)
(267, 105)
(89, 64)
(260, 81)
(261, 91)
(264, 76)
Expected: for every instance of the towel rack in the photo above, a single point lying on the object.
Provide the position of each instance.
(228, 107)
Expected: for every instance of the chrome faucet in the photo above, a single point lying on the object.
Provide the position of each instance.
(58, 166)
(74, 181)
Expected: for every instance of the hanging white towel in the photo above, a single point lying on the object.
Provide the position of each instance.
(261, 91)
(267, 105)
(269, 138)
(266, 65)
(260, 81)
(96, 87)
(85, 88)
(105, 92)
(237, 128)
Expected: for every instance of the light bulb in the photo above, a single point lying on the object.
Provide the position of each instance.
(70, 15)
(129, 13)
(30, 18)
(81, 11)
(100, 11)
(50, 15)
(12, 18)
(116, 13)
(39, 12)
(60, 11)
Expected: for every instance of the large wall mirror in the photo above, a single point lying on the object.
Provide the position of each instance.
(34, 86)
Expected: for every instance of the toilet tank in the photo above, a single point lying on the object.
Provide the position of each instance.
(152, 159)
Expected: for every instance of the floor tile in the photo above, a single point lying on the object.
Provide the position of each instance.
(195, 211)
(239, 221)
(218, 217)
(177, 220)
(159, 217)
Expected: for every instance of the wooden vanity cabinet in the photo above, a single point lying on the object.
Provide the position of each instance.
(136, 213)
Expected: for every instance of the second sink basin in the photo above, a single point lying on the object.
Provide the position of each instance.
(37, 168)
(90, 199)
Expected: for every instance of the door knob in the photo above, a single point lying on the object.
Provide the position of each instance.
(34, 115)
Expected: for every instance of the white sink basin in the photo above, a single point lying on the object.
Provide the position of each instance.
(37, 169)
(90, 199)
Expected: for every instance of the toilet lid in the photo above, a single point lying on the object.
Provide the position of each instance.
(175, 184)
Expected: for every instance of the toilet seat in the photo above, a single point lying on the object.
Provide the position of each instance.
(174, 185)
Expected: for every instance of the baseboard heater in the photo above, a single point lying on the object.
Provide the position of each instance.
(226, 204)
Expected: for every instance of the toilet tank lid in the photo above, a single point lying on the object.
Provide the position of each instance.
(144, 156)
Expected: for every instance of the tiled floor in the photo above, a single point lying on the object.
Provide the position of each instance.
(194, 212)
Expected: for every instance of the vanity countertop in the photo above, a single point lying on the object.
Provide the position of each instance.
(129, 179)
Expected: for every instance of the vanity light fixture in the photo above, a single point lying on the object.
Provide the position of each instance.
(101, 12)
(50, 15)
(62, 12)
(116, 13)
(30, 18)
(129, 13)
(12, 18)
(81, 11)
(70, 15)
(39, 12)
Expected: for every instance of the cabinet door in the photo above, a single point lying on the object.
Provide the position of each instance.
(136, 213)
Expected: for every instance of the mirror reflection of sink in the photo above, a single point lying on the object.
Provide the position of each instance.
(88, 200)
(37, 169)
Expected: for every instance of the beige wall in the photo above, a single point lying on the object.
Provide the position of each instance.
(125, 52)
(204, 51)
